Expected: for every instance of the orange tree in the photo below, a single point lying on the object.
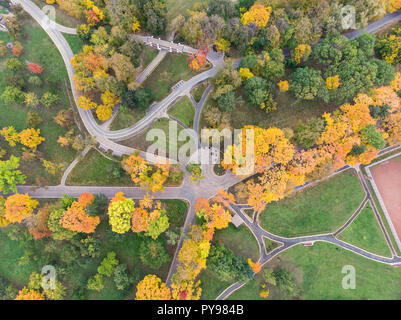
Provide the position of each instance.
(75, 217)
(18, 207)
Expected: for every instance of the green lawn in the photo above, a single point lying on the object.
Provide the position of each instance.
(169, 72)
(317, 271)
(40, 49)
(319, 209)
(176, 7)
(198, 92)
(75, 43)
(270, 244)
(96, 170)
(365, 233)
(140, 141)
(241, 241)
(211, 286)
(184, 111)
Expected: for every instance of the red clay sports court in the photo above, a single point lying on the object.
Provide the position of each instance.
(387, 177)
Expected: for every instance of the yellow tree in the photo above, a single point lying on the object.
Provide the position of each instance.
(152, 288)
(258, 14)
(333, 83)
(120, 213)
(10, 135)
(301, 53)
(31, 138)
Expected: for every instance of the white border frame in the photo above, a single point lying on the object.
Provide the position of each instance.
(379, 197)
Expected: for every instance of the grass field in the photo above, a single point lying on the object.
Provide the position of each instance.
(140, 141)
(271, 245)
(184, 111)
(75, 43)
(318, 273)
(241, 241)
(365, 233)
(169, 72)
(319, 209)
(96, 170)
(40, 49)
(211, 286)
(15, 272)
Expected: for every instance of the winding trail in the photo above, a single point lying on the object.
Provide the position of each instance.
(107, 139)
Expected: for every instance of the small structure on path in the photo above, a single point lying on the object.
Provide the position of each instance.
(237, 221)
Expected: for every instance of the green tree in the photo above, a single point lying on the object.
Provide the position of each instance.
(285, 282)
(268, 276)
(121, 277)
(14, 64)
(98, 206)
(256, 89)
(371, 136)
(307, 133)
(108, 264)
(96, 282)
(10, 176)
(227, 102)
(226, 266)
(13, 95)
(153, 253)
(306, 83)
(158, 226)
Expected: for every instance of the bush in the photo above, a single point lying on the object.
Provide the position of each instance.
(108, 265)
(153, 253)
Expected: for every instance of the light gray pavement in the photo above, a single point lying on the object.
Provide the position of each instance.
(374, 27)
(73, 164)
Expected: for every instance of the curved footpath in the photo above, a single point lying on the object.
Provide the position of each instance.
(103, 136)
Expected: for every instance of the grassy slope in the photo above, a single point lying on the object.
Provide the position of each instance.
(320, 277)
(241, 241)
(365, 233)
(38, 48)
(319, 209)
(199, 90)
(176, 7)
(184, 111)
(172, 69)
(75, 43)
(96, 170)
